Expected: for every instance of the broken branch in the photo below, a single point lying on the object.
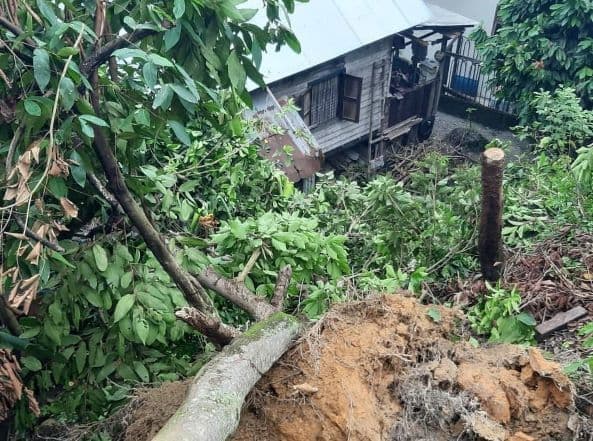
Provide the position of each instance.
(236, 293)
(249, 265)
(281, 288)
(210, 326)
(32, 235)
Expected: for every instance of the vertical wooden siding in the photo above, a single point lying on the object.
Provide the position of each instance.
(336, 133)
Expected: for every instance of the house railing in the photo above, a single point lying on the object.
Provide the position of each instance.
(465, 79)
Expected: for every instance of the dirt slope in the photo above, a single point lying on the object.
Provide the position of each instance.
(383, 369)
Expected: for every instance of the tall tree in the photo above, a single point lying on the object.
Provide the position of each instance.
(89, 92)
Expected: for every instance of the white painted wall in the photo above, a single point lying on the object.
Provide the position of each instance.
(480, 10)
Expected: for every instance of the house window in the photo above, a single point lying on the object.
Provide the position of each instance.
(324, 100)
(329, 98)
(351, 92)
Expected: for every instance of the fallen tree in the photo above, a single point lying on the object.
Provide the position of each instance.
(213, 405)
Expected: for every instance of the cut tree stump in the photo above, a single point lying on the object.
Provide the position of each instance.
(490, 242)
(212, 408)
(560, 320)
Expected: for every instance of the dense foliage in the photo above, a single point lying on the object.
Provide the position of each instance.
(539, 45)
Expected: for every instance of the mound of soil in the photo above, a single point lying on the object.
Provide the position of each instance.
(389, 368)
(466, 138)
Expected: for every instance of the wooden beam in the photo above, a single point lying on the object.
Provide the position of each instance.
(560, 320)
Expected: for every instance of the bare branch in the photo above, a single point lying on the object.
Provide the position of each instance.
(210, 326)
(7, 24)
(249, 265)
(96, 182)
(282, 283)
(237, 293)
(104, 53)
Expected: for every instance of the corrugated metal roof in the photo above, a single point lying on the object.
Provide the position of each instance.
(442, 17)
(278, 127)
(328, 29)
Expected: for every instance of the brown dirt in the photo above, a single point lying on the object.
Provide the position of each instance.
(382, 369)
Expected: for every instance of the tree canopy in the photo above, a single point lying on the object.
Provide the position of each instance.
(540, 45)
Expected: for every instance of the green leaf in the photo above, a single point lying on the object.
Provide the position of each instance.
(92, 119)
(130, 53)
(434, 314)
(171, 37)
(178, 8)
(94, 298)
(123, 307)
(32, 108)
(47, 12)
(184, 93)
(57, 256)
(526, 319)
(31, 363)
(52, 332)
(236, 71)
(180, 132)
(41, 68)
(68, 51)
(141, 329)
(159, 60)
(150, 74)
(163, 98)
(126, 280)
(291, 40)
(68, 93)
(105, 372)
(141, 370)
(280, 246)
(100, 257)
(80, 357)
(77, 169)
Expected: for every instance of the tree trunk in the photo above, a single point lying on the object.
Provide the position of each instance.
(490, 242)
(212, 408)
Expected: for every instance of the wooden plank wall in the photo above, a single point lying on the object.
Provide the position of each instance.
(337, 133)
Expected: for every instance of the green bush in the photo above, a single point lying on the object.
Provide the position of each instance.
(539, 45)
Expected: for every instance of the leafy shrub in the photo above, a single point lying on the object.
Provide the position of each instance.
(498, 317)
(539, 45)
(560, 125)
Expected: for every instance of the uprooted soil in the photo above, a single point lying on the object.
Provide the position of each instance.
(389, 368)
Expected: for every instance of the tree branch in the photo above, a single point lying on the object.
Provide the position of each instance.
(95, 182)
(7, 24)
(249, 265)
(210, 326)
(104, 53)
(237, 293)
(32, 235)
(282, 283)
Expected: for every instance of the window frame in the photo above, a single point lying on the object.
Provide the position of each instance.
(344, 79)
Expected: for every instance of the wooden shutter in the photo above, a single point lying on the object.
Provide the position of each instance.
(304, 103)
(351, 92)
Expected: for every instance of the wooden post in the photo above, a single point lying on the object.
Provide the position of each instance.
(490, 242)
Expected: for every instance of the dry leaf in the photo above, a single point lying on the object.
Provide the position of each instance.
(69, 208)
(23, 294)
(34, 149)
(588, 276)
(23, 194)
(19, 236)
(58, 226)
(305, 388)
(33, 256)
(59, 168)
(11, 385)
(11, 192)
(39, 204)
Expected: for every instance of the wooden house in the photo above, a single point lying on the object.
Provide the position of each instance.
(362, 76)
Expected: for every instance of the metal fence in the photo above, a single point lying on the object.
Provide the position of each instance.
(464, 78)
